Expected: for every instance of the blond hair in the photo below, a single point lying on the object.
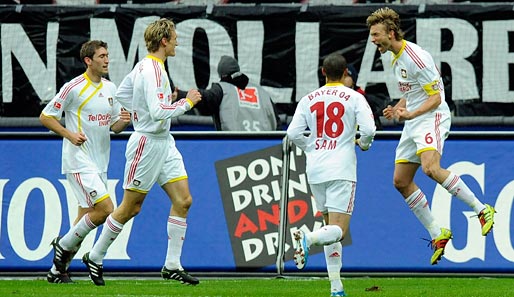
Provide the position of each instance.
(389, 18)
(156, 31)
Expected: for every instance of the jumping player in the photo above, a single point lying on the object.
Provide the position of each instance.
(427, 124)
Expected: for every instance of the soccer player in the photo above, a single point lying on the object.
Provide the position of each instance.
(151, 154)
(427, 124)
(91, 112)
(331, 113)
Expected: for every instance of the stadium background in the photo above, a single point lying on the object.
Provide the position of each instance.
(39, 45)
(280, 46)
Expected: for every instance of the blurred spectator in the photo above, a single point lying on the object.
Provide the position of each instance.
(112, 1)
(376, 106)
(235, 104)
(426, 1)
(150, 1)
(76, 2)
(34, 1)
(331, 2)
(264, 1)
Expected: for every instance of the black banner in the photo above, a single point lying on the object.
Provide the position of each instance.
(280, 46)
(250, 190)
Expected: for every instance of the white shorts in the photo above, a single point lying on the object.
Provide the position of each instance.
(423, 135)
(334, 196)
(89, 188)
(151, 159)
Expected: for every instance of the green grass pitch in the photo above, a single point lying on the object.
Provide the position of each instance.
(266, 287)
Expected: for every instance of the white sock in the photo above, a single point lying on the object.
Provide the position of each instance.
(176, 234)
(333, 257)
(76, 234)
(325, 235)
(456, 186)
(110, 231)
(418, 204)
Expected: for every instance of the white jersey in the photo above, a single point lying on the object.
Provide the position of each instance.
(418, 78)
(89, 108)
(146, 92)
(332, 114)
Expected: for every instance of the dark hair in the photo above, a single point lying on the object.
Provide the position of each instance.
(389, 18)
(334, 66)
(89, 48)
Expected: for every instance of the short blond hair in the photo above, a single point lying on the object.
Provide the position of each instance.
(389, 18)
(156, 31)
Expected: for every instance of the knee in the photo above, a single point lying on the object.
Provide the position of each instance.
(182, 205)
(186, 202)
(134, 211)
(125, 212)
(429, 170)
(105, 212)
(400, 184)
(99, 215)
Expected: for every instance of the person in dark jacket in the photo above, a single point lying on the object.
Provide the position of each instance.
(236, 104)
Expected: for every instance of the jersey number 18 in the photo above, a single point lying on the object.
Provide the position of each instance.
(333, 126)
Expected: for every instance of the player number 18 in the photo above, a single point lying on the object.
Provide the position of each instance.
(333, 126)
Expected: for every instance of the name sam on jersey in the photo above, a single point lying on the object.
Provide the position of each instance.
(325, 144)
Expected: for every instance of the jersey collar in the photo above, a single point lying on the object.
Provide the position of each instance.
(155, 59)
(88, 79)
(333, 84)
(396, 57)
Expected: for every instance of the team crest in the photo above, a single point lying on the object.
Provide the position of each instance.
(93, 194)
(136, 183)
(110, 101)
(403, 73)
